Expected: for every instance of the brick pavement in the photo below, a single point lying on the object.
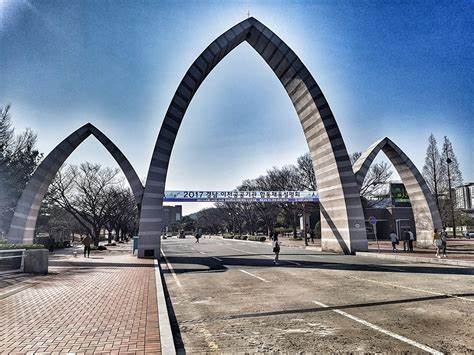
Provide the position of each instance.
(106, 304)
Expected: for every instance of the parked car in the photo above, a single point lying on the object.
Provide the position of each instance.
(469, 234)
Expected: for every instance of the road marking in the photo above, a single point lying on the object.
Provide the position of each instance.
(266, 256)
(292, 262)
(384, 331)
(170, 268)
(215, 257)
(413, 289)
(258, 277)
(201, 252)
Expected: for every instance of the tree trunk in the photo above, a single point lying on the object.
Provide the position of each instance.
(96, 237)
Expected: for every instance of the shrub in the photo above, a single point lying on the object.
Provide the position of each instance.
(245, 237)
(238, 237)
(100, 247)
(257, 238)
(7, 246)
(228, 236)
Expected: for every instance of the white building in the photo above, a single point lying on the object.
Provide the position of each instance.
(465, 196)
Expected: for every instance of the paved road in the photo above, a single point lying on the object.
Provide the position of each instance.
(227, 296)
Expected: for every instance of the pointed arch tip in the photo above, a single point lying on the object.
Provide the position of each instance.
(317, 122)
(425, 212)
(26, 211)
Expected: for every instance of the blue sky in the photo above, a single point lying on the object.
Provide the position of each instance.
(398, 69)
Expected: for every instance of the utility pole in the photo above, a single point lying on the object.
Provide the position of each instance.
(449, 161)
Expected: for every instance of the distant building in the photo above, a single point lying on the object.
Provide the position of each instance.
(465, 196)
(171, 215)
(393, 212)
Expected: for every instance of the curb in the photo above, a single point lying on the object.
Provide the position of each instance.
(166, 335)
(453, 262)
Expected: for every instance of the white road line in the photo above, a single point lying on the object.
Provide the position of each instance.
(413, 289)
(266, 256)
(292, 262)
(257, 277)
(384, 331)
(215, 257)
(170, 268)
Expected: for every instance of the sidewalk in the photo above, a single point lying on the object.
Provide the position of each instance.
(460, 252)
(105, 304)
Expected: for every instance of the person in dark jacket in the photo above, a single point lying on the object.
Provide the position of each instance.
(275, 247)
(87, 245)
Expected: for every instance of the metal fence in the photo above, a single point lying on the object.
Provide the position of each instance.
(12, 260)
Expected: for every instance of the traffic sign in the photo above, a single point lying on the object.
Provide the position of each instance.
(372, 220)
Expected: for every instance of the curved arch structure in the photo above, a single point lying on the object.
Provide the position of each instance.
(425, 212)
(343, 227)
(24, 219)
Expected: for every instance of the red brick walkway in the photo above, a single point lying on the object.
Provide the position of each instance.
(105, 305)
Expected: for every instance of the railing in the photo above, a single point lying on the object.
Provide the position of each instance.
(9, 260)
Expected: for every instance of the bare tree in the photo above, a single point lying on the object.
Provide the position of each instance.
(121, 212)
(305, 170)
(373, 188)
(84, 192)
(18, 159)
(454, 169)
(433, 168)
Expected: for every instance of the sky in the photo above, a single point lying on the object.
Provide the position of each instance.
(402, 69)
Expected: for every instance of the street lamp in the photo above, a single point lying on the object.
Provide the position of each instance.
(449, 161)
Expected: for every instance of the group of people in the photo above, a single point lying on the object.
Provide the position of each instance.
(407, 238)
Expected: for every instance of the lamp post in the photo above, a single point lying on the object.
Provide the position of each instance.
(449, 161)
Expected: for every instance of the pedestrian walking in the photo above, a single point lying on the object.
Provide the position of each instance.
(87, 245)
(444, 241)
(394, 239)
(275, 247)
(405, 239)
(197, 236)
(411, 239)
(438, 243)
(51, 243)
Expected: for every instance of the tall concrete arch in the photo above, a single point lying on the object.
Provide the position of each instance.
(342, 224)
(425, 212)
(24, 219)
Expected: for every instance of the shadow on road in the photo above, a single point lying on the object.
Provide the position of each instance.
(348, 306)
(208, 264)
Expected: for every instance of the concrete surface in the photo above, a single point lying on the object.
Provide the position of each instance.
(228, 297)
(36, 261)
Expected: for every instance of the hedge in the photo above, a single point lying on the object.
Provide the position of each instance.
(8, 246)
(257, 238)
